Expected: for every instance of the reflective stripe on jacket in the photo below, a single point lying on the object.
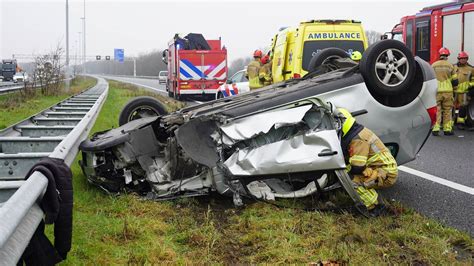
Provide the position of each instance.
(252, 72)
(465, 75)
(366, 150)
(445, 74)
(265, 74)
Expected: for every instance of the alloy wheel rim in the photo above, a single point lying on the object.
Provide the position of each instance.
(391, 67)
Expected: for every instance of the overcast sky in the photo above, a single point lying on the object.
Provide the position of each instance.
(33, 27)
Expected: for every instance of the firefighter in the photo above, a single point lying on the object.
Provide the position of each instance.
(370, 163)
(447, 79)
(356, 56)
(265, 72)
(465, 73)
(253, 69)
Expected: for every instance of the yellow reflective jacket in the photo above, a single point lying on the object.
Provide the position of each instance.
(366, 150)
(252, 73)
(465, 75)
(265, 74)
(445, 74)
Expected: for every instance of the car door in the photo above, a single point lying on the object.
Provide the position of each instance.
(241, 83)
(273, 142)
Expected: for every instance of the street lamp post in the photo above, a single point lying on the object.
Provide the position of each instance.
(80, 47)
(84, 36)
(83, 44)
(67, 45)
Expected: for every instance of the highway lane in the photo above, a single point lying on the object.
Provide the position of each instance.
(150, 84)
(448, 158)
(451, 159)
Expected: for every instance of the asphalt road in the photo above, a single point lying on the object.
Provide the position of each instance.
(150, 84)
(449, 199)
(438, 184)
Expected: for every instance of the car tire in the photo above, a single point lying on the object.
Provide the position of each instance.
(176, 96)
(470, 115)
(219, 95)
(325, 54)
(388, 67)
(140, 107)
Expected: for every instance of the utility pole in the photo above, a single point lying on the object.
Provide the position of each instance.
(80, 47)
(134, 67)
(67, 46)
(84, 35)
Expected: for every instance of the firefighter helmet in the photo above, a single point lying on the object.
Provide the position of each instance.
(265, 59)
(257, 53)
(463, 54)
(347, 120)
(356, 56)
(444, 51)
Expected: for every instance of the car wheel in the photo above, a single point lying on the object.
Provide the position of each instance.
(176, 96)
(470, 114)
(388, 67)
(219, 95)
(168, 89)
(141, 107)
(324, 56)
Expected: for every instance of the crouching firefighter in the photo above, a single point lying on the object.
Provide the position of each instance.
(368, 160)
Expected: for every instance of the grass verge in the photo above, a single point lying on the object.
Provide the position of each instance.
(128, 230)
(15, 108)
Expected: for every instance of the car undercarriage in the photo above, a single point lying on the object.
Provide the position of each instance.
(282, 141)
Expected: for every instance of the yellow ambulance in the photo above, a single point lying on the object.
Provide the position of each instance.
(293, 48)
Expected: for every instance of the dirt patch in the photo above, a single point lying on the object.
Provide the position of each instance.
(463, 250)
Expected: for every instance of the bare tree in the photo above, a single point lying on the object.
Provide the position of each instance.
(238, 64)
(373, 36)
(48, 71)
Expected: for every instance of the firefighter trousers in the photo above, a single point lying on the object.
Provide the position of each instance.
(444, 103)
(461, 101)
(371, 180)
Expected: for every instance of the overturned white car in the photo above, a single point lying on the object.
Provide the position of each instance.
(282, 141)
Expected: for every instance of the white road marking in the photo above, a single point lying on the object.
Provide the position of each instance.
(149, 87)
(138, 84)
(438, 180)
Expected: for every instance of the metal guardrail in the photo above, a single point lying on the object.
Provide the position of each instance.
(55, 132)
(7, 83)
(7, 88)
(10, 87)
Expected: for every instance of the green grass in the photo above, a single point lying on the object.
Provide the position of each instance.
(14, 107)
(208, 230)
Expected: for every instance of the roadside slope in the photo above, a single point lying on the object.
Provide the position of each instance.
(126, 229)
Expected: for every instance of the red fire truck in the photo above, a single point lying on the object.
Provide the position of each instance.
(196, 66)
(448, 25)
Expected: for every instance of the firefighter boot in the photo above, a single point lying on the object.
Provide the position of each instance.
(461, 119)
(448, 129)
(380, 210)
(435, 130)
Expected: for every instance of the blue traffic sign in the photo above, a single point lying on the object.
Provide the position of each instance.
(118, 55)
